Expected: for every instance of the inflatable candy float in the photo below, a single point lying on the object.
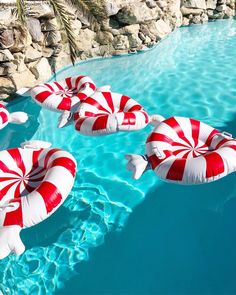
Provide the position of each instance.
(63, 95)
(186, 151)
(6, 117)
(31, 189)
(106, 112)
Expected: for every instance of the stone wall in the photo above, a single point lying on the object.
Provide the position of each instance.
(29, 56)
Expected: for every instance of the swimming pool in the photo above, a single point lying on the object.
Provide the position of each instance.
(153, 237)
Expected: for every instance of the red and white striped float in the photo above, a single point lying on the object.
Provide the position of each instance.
(6, 117)
(106, 112)
(186, 151)
(34, 182)
(63, 95)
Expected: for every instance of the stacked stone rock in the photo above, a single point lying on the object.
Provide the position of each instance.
(28, 56)
(201, 11)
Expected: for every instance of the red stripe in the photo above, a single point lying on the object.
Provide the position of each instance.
(177, 128)
(65, 104)
(4, 117)
(155, 161)
(231, 146)
(174, 143)
(195, 131)
(129, 119)
(159, 137)
(176, 170)
(96, 104)
(35, 156)
(91, 85)
(77, 81)
(17, 192)
(14, 217)
(76, 116)
(50, 194)
(59, 86)
(81, 95)
(185, 156)
(180, 151)
(221, 143)
(49, 154)
(100, 123)
(214, 164)
(123, 102)
(67, 163)
(109, 100)
(79, 123)
(5, 169)
(136, 107)
(50, 87)
(146, 117)
(42, 96)
(210, 137)
(5, 178)
(90, 114)
(68, 82)
(6, 188)
(16, 156)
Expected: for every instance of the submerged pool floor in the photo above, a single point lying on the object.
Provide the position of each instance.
(153, 237)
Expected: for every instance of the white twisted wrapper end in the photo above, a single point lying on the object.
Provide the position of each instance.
(137, 164)
(35, 144)
(18, 117)
(65, 119)
(156, 120)
(10, 241)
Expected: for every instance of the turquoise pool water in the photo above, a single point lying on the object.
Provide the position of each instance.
(153, 237)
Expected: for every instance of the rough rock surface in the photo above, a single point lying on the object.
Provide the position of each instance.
(30, 55)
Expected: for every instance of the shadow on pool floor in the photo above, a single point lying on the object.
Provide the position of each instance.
(180, 240)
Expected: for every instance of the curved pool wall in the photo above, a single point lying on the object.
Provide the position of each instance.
(154, 237)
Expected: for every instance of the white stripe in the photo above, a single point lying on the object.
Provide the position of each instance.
(186, 126)
(205, 131)
(99, 97)
(229, 157)
(195, 170)
(26, 156)
(53, 101)
(120, 118)
(87, 125)
(168, 131)
(139, 121)
(33, 209)
(130, 103)
(10, 194)
(88, 91)
(55, 155)
(9, 162)
(41, 157)
(163, 169)
(85, 107)
(55, 175)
